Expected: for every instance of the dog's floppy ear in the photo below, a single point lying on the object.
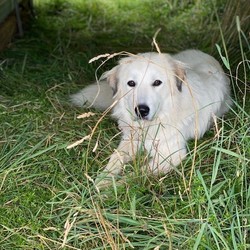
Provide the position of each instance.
(111, 77)
(180, 75)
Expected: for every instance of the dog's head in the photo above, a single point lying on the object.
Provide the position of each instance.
(144, 83)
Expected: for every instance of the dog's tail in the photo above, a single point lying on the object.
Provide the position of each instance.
(99, 96)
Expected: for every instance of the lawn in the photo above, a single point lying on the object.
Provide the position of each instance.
(47, 196)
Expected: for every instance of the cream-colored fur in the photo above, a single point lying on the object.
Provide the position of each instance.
(162, 101)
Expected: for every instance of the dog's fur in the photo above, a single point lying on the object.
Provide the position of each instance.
(161, 102)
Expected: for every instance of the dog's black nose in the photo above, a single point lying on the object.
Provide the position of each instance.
(142, 110)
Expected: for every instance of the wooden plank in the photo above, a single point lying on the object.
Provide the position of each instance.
(6, 7)
(13, 21)
(7, 30)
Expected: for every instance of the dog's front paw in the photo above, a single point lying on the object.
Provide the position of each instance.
(104, 180)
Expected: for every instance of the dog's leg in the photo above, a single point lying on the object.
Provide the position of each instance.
(124, 153)
(164, 158)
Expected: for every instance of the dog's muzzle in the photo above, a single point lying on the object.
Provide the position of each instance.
(142, 111)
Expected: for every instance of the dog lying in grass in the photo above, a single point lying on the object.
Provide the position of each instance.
(161, 101)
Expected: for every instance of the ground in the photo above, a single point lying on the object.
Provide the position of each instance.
(47, 196)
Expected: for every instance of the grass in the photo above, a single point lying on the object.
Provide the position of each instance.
(47, 197)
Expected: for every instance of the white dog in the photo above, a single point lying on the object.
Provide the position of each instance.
(161, 101)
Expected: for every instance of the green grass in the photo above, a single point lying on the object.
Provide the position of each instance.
(47, 196)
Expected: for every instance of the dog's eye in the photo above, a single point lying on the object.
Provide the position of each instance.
(157, 83)
(131, 83)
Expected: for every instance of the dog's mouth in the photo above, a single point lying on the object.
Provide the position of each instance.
(142, 119)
